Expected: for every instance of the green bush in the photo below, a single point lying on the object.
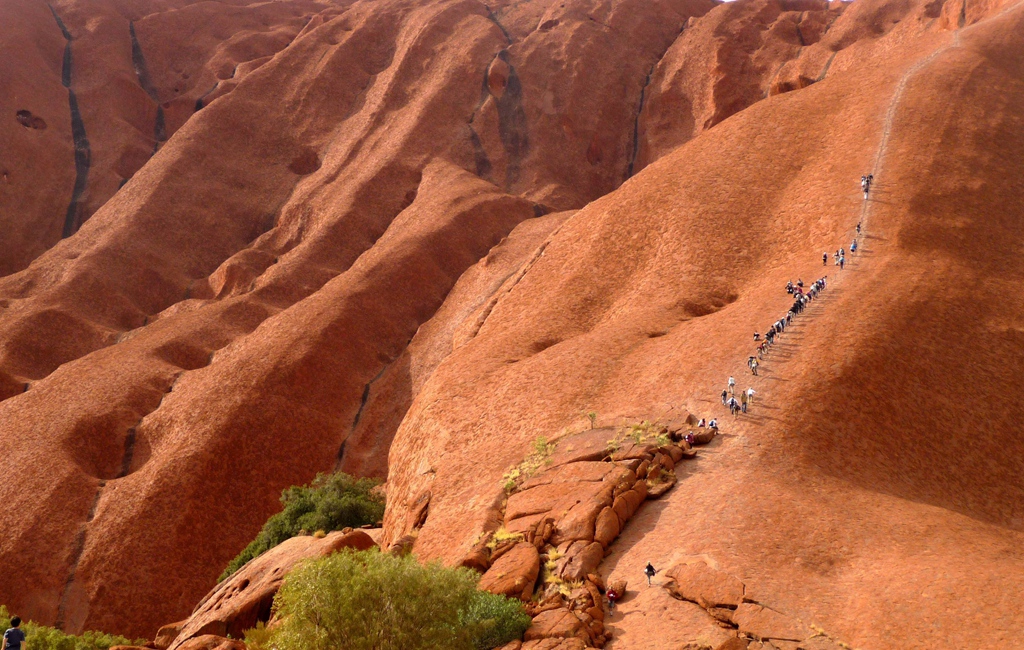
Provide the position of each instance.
(372, 601)
(333, 502)
(494, 620)
(40, 637)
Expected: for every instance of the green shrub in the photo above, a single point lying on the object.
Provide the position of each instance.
(372, 601)
(41, 637)
(494, 620)
(333, 502)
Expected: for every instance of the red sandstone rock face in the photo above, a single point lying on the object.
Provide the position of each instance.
(210, 334)
(843, 507)
(135, 79)
(238, 316)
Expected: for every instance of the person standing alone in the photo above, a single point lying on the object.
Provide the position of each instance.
(14, 638)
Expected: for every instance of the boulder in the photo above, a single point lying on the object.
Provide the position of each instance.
(555, 624)
(736, 643)
(582, 561)
(619, 587)
(166, 635)
(514, 574)
(703, 435)
(699, 583)
(765, 623)
(479, 557)
(629, 450)
(588, 472)
(557, 497)
(527, 524)
(723, 614)
(674, 452)
(578, 522)
(606, 527)
(590, 445)
(245, 598)
(623, 509)
(665, 482)
(625, 505)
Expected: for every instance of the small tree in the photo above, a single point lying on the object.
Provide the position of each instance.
(370, 601)
(333, 502)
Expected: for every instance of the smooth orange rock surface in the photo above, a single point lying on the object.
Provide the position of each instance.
(705, 586)
(342, 248)
(835, 499)
(766, 623)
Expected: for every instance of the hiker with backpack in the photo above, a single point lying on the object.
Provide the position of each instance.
(649, 571)
(734, 406)
(613, 596)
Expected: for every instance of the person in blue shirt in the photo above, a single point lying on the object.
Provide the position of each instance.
(14, 638)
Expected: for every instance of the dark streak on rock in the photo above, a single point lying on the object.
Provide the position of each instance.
(640, 104)
(142, 72)
(494, 19)
(828, 64)
(73, 217)
(139, 63)
(483, 163)
(636, 124)
(512, 122)
(199, 102)
(129, 452)
(362, 405)
(77, 549)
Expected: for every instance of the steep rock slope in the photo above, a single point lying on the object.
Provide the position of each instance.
(209, 336)
(100, 86)
(847, 498)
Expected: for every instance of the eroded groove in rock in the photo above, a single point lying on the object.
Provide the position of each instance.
(77, 549)
(73, 216)
(142, 72)
(636, 123)
(512, 122)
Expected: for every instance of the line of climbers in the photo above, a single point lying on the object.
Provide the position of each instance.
(765, 343)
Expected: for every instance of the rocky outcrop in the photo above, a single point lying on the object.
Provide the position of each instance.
(297, 135)
(514, 573)
(246, 598)
(234, 318)
(647, 299)
(568, 501)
